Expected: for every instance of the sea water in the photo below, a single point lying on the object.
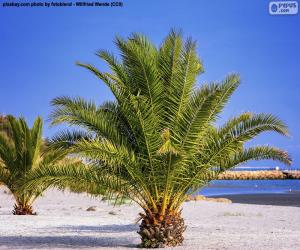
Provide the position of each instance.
(229, 187)
(226, 187)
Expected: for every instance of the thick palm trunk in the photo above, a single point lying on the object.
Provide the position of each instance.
(23, 209)
(162, 231)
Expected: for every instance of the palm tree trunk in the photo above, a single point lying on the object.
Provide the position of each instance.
(162, 231)
(23, 209)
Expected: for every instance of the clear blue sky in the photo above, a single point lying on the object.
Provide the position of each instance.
(39, 46)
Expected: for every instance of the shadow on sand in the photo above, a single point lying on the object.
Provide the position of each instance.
(77, 240)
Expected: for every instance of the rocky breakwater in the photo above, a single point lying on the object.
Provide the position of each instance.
(203, 198)
(255, 175)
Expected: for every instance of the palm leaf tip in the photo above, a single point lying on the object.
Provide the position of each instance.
(261, 153)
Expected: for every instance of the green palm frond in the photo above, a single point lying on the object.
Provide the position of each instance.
(255, 153)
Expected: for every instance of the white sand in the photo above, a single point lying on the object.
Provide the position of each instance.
(63, 223)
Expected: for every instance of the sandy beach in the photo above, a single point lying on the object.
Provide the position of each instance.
(63, 223)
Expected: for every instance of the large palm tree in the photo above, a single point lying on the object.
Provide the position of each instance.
(157, 141)
(21, 151)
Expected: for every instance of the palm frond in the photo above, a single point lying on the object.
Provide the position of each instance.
(255, 153)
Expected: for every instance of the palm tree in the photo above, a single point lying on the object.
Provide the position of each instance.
(3, 128)
(20, 152)
(157, 141)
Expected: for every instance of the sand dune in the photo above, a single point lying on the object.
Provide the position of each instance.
(64, 223)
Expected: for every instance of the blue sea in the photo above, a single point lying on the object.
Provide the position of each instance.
(226, 187)
(229, 187)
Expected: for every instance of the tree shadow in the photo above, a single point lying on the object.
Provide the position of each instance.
(76, 240)
(102, 228)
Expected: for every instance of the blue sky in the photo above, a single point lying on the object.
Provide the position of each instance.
(39, 48)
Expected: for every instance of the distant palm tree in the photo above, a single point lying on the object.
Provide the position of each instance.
(20, 152)
(157, 141)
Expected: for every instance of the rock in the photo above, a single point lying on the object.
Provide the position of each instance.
(224, 200)
(112, 213)
(203, 198)
(189, 198)
(199, 198)
(92, 208)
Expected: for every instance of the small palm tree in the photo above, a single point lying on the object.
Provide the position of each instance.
(157, 141)
(20, 152)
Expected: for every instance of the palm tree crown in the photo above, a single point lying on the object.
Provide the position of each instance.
(157, 141)
(21, 152)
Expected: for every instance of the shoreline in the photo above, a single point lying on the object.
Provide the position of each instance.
(275, 199)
